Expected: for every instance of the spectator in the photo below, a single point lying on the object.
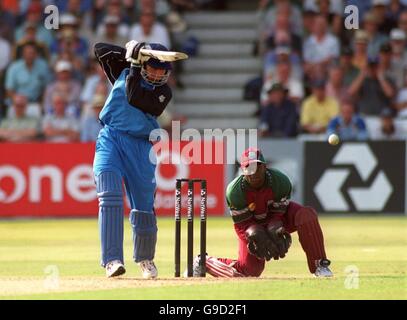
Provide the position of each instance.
(376, 38)
(149, 30)
(350, 72)
(90, 123)
(20, 128)
(320, 49)
(318, 109)
(70, 43)
(7, 22)
(30, 36)
(117, 9)
(402, 22)
(268, 16)
(385, 63)
(5, 55)
(380, 10)
(308, 17)
(335, 86)
(361, 42)
(28, 76)
(92, 81)
(399, 56)
(387, 129)
(332, 10)
(401, 101)
(59, 127)
(64, 85)
(181, 39)
(282, 54)
(284, 76)
(109, 32)
(82, 10)
(325, 7)
(282, 35)
(348, 125)
(372, 89)
(394, 10)
(160, 7)
(279, 117)
(34, 17)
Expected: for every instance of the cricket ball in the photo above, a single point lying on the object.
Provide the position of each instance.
(333, 139)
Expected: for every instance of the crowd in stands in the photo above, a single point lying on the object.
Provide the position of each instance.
(321, 78)
(51, 86)
(318, 76)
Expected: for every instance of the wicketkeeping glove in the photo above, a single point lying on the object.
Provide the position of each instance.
(280, 238)
(259, 243)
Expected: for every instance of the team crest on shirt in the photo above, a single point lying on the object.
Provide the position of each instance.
(161, 98)
(252, 206)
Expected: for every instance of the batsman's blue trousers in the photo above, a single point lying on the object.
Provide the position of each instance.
(120, 156)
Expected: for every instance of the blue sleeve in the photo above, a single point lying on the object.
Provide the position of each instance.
(362, 130)
(10, 82)
(333, 124)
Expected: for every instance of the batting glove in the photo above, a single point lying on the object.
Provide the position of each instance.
(133, 52)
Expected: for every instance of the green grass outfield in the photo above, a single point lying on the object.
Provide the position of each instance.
(59, 259)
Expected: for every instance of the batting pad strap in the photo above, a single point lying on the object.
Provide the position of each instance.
(108, 181)
(110, 199)
(144, 234)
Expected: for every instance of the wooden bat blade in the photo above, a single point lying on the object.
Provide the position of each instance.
(164, 55)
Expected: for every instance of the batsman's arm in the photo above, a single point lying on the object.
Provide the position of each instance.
(152, 100)
(112, 59)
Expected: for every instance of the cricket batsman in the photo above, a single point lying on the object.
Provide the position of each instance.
(139, 95)
(263, 219)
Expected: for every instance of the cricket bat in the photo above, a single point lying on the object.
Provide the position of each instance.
(161, 55)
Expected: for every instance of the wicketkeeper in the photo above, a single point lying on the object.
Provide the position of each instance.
(139, 95)
(263, 219)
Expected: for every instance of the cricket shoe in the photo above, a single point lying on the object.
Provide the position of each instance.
(323, 270)
(148, 269)
(114, 269)
(196, 267)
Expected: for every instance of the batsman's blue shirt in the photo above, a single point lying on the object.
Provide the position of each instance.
(119, 114)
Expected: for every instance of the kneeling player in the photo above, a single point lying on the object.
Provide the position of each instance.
(263, 219)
